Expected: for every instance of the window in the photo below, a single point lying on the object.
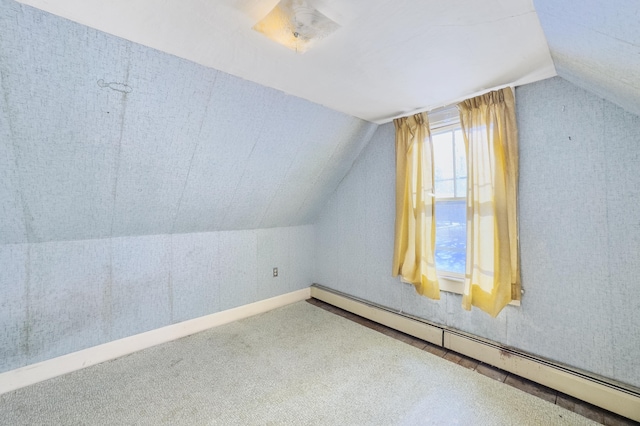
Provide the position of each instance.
(450, 172)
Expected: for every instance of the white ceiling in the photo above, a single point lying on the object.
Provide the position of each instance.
(389, 58)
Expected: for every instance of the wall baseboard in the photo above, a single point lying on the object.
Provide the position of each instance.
(613, 397)
(34, 373)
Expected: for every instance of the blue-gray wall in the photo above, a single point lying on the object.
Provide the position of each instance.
(172, 193)
(579, 235)
(60, 297)
(101, 137)
(138, 189)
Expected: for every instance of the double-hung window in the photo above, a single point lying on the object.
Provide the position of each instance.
(450, 204)
(450, 172)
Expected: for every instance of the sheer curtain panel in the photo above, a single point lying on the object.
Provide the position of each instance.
(415, 229)
(492, 277)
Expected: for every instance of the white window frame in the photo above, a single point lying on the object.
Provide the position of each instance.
(440, 121)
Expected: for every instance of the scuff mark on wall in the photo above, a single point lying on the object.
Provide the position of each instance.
(170, 281)
(27, 217)
(26, 328)
(107, 298)
(118, 87)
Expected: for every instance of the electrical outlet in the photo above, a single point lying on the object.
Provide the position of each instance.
(275, 272)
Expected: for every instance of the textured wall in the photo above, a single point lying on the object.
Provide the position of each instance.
(100, 137)
(138, 190)
(60, 297)
(580, 237)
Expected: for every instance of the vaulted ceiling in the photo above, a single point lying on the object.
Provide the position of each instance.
(388, 58)
(101, 137)
(189, 121)
(393, 57)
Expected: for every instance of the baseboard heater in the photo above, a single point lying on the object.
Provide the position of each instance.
(615, 397)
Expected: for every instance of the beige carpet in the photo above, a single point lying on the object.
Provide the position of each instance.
(295, 365)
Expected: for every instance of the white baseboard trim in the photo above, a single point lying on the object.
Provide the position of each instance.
(34, 373)
(619, 399)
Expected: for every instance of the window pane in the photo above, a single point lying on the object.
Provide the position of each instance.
(461, 188)
(451, 235)
(443, 164)
(461, 165)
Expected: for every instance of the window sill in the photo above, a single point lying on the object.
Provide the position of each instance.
(453, 284)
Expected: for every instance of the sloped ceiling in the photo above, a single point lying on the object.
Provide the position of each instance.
(102, 137)
(596, 45)
(389, 57)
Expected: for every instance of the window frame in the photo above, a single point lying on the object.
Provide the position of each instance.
(444, 120)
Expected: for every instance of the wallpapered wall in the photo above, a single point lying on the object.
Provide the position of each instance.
(138, 189)
(127, 176)
(101, 137)
(60, 297)
(579, 235)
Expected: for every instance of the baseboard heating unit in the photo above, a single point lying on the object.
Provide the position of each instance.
(615, 397)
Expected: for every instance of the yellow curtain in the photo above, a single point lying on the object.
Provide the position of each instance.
(492, 276)
(413, 257)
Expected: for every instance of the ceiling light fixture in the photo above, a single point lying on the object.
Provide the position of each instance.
(296, 25)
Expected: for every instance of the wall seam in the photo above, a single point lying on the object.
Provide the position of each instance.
(193, 154)
(609, 283)
(244, 170)
(27, 294)
(119, 153)
(368, 139)
(280, 186)
(108, 298)
(170, 281)
(26, 214)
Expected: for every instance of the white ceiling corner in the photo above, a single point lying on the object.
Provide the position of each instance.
(389, 58)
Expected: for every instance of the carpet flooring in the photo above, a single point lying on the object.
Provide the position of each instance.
(297, 365)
